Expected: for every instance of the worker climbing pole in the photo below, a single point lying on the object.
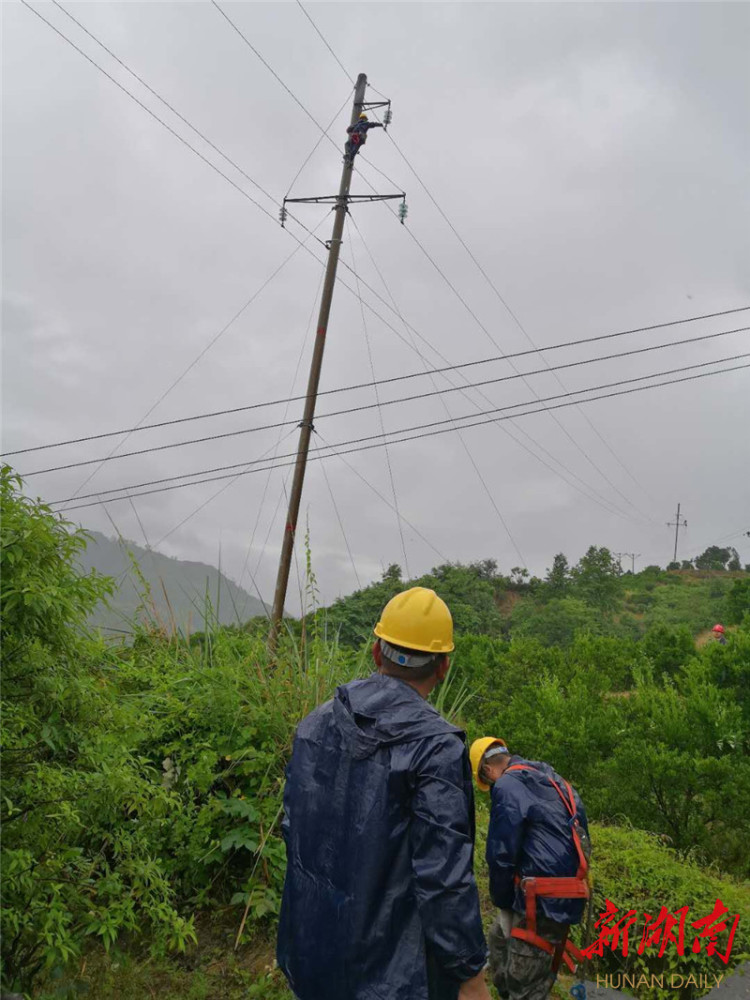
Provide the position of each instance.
(358, 127)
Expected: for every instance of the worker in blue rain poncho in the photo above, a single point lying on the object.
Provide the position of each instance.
(380, 901)
(538, 857)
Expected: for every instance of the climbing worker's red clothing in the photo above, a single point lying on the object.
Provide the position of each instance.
(358, 137)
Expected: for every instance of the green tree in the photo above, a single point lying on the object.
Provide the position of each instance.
(679, 747)
(715, 558)
(668, 647)
(558, 576)
(77, 808)
(595, 578)
(738, 601)
(555, 622)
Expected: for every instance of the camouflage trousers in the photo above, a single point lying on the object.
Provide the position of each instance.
(521, 971)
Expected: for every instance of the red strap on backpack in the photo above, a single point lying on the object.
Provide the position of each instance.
(575, 887)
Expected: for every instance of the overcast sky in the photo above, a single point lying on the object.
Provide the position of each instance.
(595, 159)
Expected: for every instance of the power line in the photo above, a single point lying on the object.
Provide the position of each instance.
(503, 301)
(308, 330)
(270, 68)
(200, 507)
(426, 429)
(365, 406)
(554, 417)
(597, 468)
(488, 492)
(399, 378)
(380, 416)
(204, 159)
(189, 146)
(341, 523)
(323, 135)
(181, 139)
(378, 494)
(148, 110)
(323, 39)
(113, 453)
(484, 274)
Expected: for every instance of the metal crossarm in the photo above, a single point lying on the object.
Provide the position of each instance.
(332, 199)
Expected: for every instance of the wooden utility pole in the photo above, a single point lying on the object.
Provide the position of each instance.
(340, 203)
(676, 524)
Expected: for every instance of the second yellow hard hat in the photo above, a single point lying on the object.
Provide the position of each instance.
(478, 749)
(417, 619)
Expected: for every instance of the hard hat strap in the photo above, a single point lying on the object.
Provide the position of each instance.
(413, 660)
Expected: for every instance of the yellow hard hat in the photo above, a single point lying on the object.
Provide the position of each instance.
(363, 115)
(417, 619)
(478, 749)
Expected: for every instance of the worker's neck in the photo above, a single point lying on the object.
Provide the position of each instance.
(424, 688)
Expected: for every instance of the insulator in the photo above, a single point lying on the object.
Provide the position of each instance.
(283, 214)
(387, 117)
(403, 211)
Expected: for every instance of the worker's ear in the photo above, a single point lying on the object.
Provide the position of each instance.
(443, 667)
(376, 654)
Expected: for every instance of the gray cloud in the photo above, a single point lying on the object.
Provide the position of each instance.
(595, 159)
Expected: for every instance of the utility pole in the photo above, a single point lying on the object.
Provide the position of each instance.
(340, 203)
(676, 524)
(633, 557)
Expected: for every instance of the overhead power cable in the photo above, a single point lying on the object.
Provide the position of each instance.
(515, 318)
(418, 397)
(148, 110)
(189, 146)
(396, 378)
(308, 330)
(376, 491)
(497, 293)
(426, 429)
(380, 415)
(462, 440)
(325, 42)
(341, 523)
(583, 452)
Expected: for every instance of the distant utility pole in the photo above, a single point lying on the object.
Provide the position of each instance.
(340, 203)
(632, 556)
(676, 524)
(619, 556)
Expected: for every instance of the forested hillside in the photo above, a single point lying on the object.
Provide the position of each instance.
(142, 782)
(149, 585)
(593, 596)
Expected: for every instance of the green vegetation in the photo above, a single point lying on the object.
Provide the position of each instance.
(142, 782)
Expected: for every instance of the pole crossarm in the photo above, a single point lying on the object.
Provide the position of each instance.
(334, 199)
(370, 105)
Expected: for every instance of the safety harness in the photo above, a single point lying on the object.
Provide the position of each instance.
(576, 887)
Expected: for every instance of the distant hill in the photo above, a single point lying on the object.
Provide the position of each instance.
(186, 585)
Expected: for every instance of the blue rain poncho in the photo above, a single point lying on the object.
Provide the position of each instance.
(380, 901)
(530, 834)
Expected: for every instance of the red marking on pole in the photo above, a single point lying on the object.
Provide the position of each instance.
(321, 331)
(290, 527)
